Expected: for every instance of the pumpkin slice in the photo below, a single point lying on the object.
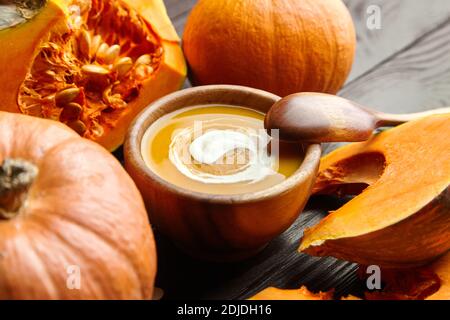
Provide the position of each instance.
(402, 216)
(91, 64)
(297, 294)
(431, 282)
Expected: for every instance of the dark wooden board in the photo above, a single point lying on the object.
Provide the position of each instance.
(413, 79)
(402, 22)
(402, 67)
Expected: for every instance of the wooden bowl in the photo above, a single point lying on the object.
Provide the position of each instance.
(217, 227)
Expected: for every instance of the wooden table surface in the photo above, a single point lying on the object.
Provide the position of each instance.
(402, 67)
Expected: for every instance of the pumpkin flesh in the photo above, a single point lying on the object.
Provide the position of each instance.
(431, 282)
(296, 294)
(92, 64)
(402, 218)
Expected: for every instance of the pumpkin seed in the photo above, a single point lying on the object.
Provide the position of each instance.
(95, 44)
(84, 44)
(94, 70)
(101, 52)
(144, 59)
(71, 111)
(123, 65)
(112, 54)
(78, 126)
(66, 96)
(50, 74)
(142, 71)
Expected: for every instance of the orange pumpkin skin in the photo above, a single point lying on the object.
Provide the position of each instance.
(400, 217)
(82, 215)
(148, 30)
(282, 46)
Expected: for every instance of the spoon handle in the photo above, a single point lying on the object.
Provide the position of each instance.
(386, 119)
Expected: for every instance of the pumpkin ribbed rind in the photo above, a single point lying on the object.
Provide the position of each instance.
(281, 46)
(83, 216)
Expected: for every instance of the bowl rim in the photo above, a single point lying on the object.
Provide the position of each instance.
(133, 156)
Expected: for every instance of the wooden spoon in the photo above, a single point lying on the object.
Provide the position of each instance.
(317, 118)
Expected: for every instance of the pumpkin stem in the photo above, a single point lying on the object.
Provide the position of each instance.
(16, 177)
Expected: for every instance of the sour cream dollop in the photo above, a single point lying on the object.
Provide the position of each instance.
(223, 156)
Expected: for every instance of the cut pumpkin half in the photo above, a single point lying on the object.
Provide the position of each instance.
(91, 64)
(401, 214)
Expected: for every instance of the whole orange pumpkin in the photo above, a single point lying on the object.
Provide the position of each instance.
(72, 223)
(282, 46)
